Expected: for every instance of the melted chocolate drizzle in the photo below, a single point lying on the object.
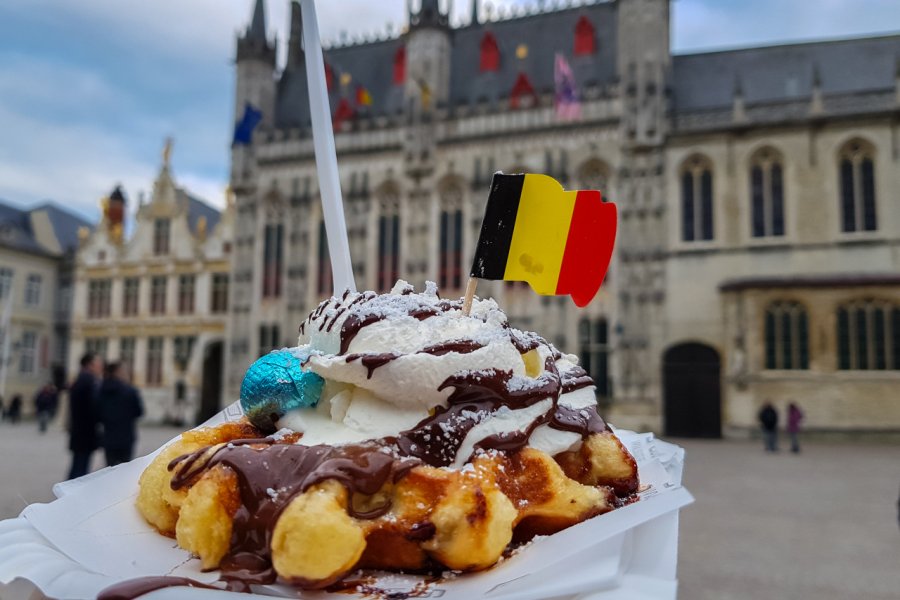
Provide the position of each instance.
(270, 475)
(139, 586)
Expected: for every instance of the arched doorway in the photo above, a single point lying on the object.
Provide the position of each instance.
(211, 387)
(692, 391)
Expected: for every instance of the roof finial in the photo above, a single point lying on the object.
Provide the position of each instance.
(167, 152)
(474, 19)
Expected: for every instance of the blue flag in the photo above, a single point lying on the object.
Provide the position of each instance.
(243, 130)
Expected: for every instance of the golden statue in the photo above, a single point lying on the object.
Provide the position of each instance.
(201, 228)
(167, 151)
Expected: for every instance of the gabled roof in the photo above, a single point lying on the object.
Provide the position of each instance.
(198, 208)
(15, 230)
(65, 225)
(781, 73)
(16, 227)
(544, 34)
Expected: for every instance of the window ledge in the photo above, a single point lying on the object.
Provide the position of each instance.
(861, 238)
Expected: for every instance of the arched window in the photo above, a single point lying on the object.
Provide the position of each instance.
(594, 175)
(767, 193)
(868, 334)
(696, 199)
(593, 350)
(787, 336)
(585, 37)
(522, 94)
(490, 53)
(857, 179)
(450, 240)
(400, 66)
(388, 242)
(324, 278)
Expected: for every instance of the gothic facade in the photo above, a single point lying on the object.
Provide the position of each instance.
(757, 239)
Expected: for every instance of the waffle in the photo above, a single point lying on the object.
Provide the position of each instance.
(267, 509)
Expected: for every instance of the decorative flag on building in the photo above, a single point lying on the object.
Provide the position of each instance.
(568, 106)
(342, 113)
(560, 242)
(363, 97)
(243, 130)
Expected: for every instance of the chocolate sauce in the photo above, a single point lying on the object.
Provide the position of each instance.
(476, 395)
(363, 315)
(135, 588)
(270, 475)
(372, 361)
(575, 379)
(458, 346)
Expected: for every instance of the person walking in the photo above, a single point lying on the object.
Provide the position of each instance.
(795, 417)
(82, 414)
(45, 403)
(14, 412)
(768, 420)
(119, 407)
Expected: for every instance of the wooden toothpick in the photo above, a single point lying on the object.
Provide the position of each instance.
(470, 296)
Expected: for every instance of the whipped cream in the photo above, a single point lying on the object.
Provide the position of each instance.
(412, 362)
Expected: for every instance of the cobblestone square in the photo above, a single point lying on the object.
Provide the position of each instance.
(821, 525)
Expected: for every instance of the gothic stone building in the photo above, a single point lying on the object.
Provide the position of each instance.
(158, 300)
(757, 255)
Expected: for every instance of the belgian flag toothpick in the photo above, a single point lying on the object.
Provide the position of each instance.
(560, 242)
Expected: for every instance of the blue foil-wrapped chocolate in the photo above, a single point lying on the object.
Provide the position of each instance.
(277, 383)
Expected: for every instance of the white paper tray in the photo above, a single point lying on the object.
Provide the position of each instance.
(92, 536)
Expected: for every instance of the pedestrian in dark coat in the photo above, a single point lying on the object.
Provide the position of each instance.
(83, 438)
(120, 407)
(15, 409)
(768, 420)
(45, 405)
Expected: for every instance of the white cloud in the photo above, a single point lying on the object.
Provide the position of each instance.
(76, 161)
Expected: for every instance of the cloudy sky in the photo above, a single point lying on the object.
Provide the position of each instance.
(90, 88)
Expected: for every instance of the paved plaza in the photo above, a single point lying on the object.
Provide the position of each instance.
(821, 525)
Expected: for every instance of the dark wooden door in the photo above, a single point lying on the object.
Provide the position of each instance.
(692, 391)
(211, 388)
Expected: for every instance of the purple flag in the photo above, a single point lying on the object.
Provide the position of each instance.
(568, 106)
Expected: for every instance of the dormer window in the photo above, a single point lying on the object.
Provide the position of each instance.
(522, 95)
(161, 229)
(400, 66)
(490, 53)
(585, 37)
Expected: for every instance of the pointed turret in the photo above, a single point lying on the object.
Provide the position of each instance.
(257, 29)
(474, 18)
(295, 56)
(254, 45)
